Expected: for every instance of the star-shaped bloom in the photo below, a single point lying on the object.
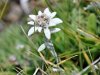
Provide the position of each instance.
(43, 21)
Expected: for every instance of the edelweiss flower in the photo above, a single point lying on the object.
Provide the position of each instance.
(43, 21)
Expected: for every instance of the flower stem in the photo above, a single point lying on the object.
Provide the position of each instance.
(50, 46)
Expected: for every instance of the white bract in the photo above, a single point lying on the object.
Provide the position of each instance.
(43, 21)
(42, 47)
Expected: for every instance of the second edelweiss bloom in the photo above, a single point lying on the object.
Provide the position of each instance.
(43, 21)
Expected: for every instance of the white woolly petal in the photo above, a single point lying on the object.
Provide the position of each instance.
(32, 17)
(39, 13)
(31, 23)
(47, 12)
(39, 29)
(53, 14)
(42, 47)
(32, 30)
(55, 30)
(47, 33)
(55, 21)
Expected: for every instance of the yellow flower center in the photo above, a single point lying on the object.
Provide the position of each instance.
(42, 20)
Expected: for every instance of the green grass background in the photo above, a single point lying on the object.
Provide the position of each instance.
(79, 35)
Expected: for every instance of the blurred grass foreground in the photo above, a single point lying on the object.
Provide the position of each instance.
(77, 44)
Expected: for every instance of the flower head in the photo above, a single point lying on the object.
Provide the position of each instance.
(43, 21)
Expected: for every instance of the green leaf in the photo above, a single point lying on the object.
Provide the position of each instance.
(91, 24)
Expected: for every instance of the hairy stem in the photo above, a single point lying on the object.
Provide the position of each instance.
(50, 46)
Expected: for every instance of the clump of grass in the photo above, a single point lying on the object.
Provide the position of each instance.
(77, 45)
